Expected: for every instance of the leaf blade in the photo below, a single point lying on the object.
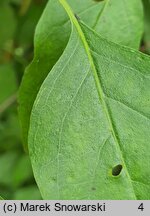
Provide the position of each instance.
(71, 115)
(52, 45)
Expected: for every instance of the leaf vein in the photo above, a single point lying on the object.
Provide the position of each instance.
(97, 163)
(62, 126)
(48, 96)
(131, 108)
(139, 182)
(125, 66)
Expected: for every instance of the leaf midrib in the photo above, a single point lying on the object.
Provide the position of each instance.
(97, 83)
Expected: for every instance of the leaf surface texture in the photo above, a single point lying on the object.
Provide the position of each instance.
(91, 115)
(53, 32)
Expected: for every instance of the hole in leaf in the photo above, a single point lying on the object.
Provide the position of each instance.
(116, 170)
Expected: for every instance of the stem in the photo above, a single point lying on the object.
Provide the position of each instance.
(7, 103)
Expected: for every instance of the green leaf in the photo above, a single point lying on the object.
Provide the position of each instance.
(27, 193)
(1, 198)
(23, 171)
(53, 32)
(8, 83)
(6, 13)
(89, 132)
(27, 24)
(9, 130)
(7, 164)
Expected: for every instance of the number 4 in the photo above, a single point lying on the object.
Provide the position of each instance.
(141, 207)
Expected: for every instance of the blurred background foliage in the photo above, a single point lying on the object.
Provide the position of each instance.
(18, 19)
(146, 37)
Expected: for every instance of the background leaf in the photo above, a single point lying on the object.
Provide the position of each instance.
(22, 172)
(17, 24)
(147, 26)
(27, 193)
(7, 14)
(8, 82)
